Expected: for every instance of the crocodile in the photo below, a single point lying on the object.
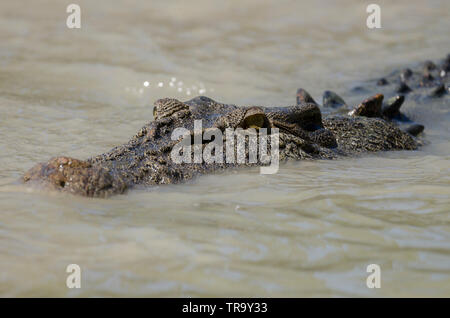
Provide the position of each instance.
(305, 130)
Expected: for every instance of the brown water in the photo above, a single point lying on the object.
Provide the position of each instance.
(309, 230)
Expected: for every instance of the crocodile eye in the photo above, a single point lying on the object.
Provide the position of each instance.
(255, 118)
(167, 107)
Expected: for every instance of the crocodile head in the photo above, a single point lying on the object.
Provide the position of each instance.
(146, 158)
(301, 132)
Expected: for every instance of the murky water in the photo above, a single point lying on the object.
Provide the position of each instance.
(310, 230)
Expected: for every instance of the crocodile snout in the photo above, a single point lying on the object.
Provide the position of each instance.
(75, 176)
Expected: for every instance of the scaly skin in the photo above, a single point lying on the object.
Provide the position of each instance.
(303, 134)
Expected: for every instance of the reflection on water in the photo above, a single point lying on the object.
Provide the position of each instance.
(309, 230)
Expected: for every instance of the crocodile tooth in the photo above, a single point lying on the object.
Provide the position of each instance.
(438, 91)
(415, 129)
(427, 77)
(370, 107)
(333, 100)
(382, 81)
(403, 88)
(391, 107)
(405, 74)
(429, 66)
(303, 97)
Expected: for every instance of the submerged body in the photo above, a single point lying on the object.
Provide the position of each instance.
(303, 134)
